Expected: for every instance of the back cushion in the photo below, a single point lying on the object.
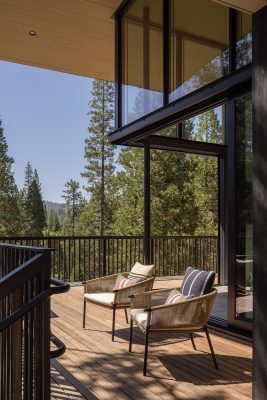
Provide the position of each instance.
(122, 282)
(197, 282)
(175, 297)
(141, 272)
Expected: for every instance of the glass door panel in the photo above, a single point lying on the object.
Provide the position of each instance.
(243, 210)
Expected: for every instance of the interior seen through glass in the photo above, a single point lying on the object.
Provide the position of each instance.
(199, 51)
(243, 205)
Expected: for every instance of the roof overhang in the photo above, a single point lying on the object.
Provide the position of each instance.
(251, 6)
(76, 37)
(72, 36)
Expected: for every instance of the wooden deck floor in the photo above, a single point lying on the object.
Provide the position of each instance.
(95, 368)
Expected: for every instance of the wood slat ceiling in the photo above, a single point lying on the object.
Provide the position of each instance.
(73, 36)
(244, 5)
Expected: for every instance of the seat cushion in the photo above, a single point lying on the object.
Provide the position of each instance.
(197, 282)
(139, 317)
(141, 272)
(106, 298)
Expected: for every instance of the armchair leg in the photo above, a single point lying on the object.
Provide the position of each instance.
(211, 347)
(113, 322)
(192, 341)
(84, 312)
(146, 351)
(131, 335)
(126, 316)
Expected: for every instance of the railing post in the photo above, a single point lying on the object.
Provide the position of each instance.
(104, 254)
(147, 242)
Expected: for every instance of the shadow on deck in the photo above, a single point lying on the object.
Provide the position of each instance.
(95, 368)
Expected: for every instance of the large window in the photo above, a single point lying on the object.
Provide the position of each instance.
(168, 49)
(142, 53)
(243, 205)
(206, 127)
(199, 45)
(243, 39)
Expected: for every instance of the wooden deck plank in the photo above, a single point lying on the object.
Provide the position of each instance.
(175, 370)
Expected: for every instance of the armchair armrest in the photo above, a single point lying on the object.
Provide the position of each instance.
(188, 313)
(122, 295)
(150, 299)
(104, 284)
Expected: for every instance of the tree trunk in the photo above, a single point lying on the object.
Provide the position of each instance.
(102, 199)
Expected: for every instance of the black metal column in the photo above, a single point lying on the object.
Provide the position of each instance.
(147, 213)
(166, 51)
(259, 98)
(118, 71)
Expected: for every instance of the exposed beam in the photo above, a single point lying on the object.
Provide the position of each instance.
(187, 146)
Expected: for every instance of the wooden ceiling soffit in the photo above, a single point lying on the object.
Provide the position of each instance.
(75, 37)
(250, 6)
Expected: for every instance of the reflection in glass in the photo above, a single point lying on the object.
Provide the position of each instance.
(244, 40)
(199, 45)
(205, 127)
(142, 52)
(244, 247)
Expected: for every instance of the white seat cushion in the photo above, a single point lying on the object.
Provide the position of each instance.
(106, 298)
(139, 316)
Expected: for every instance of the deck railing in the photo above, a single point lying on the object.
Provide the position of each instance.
(25, 288)
(76, 259)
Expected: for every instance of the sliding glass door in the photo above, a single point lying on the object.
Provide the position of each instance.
(243, 210)
(240, 227)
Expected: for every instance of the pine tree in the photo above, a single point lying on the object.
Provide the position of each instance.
(28, 177)
(208, 129)
(173, 205)
(128, 215)
(10, 218)
(26, 217)
(33, 205)
(74, 202)
(99, 154)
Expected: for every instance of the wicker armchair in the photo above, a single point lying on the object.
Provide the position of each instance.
(151, 315)
(101, 291)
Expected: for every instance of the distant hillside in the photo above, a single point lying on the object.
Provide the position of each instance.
(58, 207)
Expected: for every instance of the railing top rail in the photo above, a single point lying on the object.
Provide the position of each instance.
(103, 237)
(21, 247)
(57, 288)
(15, 278)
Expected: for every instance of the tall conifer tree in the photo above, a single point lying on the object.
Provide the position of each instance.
(74, 202)
(9, 196)
(33, 205)
(208, 129)
(99, 155)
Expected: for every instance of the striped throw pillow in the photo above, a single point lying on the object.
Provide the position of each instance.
(122, 282)
(197, 282)
(141, 272)
(175, 297)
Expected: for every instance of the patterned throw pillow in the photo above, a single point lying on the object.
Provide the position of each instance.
(141, 272)
(197, 282)
(175, 297)
(122, 282)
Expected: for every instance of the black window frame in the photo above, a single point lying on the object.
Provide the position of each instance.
(123, 133)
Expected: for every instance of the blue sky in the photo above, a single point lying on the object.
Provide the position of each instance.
(44, 115)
